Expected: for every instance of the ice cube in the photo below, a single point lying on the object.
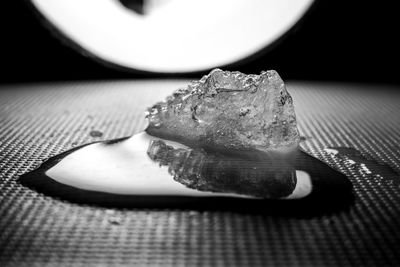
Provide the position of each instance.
(229, 111)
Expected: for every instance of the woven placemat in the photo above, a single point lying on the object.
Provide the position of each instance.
(42, 120)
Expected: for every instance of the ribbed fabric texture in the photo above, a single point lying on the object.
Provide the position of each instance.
(39, 121)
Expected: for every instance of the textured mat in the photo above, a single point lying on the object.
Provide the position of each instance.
(39, 121)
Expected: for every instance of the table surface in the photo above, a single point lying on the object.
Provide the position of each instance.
(41, 120)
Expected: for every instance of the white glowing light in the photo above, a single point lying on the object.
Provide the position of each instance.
(178, 35)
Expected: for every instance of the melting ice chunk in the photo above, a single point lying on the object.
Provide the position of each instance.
(229, 111)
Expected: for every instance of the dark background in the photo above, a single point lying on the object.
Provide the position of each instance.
(337, 41)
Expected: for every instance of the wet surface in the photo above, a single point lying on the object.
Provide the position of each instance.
(365, 165)
(128, 183)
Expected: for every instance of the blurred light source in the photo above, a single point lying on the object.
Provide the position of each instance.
(175, 35)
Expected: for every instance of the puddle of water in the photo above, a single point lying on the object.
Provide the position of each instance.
(120, 173)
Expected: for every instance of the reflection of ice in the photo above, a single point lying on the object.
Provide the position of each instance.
(268, 177)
